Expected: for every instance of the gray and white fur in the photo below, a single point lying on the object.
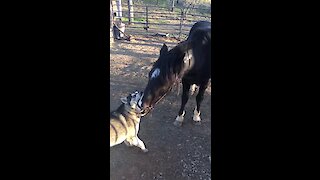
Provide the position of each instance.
(124, 122)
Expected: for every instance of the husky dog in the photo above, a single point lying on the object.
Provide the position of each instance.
(124, 122)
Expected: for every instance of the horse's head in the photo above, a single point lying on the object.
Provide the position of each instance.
(164, 73)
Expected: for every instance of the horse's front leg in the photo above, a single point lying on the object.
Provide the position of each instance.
(185, 97)
(193, 89)
(199, 99)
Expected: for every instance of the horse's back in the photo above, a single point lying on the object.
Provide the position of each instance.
(200, 25)
(200, 33)
(200, 37)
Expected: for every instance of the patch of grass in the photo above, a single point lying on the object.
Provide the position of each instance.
(139, 19)
(154, 2)
(125, 19)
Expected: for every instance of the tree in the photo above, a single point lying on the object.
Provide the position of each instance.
(189, 4)
(185, 8)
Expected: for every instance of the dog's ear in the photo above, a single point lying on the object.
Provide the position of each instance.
(124, 100)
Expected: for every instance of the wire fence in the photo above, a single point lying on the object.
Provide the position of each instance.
(141, 19)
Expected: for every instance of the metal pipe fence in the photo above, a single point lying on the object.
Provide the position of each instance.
(152, 19)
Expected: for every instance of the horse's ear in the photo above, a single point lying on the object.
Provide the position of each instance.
(164, 49)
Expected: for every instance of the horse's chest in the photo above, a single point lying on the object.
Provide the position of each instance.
(197, 76)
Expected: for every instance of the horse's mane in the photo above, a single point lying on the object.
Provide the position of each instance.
(171, 63)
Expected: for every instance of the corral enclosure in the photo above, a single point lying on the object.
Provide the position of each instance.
(174, 153)
(152, 16)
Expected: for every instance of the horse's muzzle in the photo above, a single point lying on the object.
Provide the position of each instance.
(146, 111)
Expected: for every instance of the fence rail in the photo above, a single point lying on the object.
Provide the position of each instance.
(165, 7)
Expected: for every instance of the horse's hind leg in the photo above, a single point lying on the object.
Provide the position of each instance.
(185, 97)
(199, 99)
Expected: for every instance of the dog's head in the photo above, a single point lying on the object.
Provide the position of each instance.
(132, 100)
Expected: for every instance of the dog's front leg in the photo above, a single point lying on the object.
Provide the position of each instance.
(137, 142)
(128, 142)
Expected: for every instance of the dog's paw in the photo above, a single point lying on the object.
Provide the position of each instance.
(145, 150)
(128, 144)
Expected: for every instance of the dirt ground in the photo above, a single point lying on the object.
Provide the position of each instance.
(174, 153)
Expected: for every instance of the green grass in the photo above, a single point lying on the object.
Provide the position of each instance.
(139, 19)
(125, 19)
(160, 2)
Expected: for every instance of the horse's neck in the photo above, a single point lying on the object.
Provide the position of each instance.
(187, 62)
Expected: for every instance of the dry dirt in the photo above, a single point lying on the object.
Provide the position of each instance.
(174, 153)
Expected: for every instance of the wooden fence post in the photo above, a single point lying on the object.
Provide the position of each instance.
(181, 23)
(172, 6)
(111, 24)
(169, 5)
(119, 8)
(147, 19)
(130, 8)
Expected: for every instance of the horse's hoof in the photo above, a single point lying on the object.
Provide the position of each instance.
(177, 123)
(197, 123)
(145, 150)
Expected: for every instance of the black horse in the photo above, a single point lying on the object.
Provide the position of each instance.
(189, 60)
